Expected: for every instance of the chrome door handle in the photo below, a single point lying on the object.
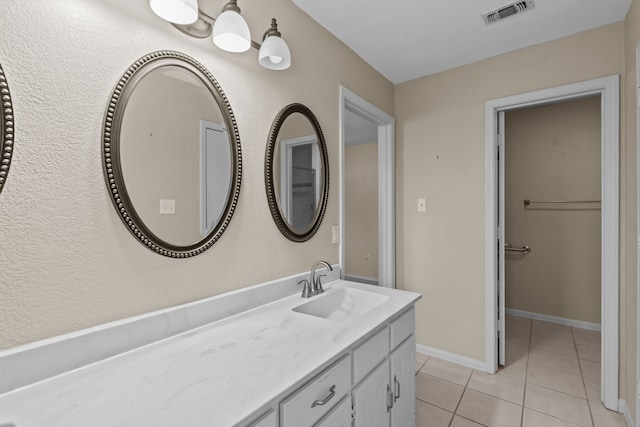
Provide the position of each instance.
(396, 384)
(332, 392)
(389, 398)
(525, 249)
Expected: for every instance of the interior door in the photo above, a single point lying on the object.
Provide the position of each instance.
(500, 239)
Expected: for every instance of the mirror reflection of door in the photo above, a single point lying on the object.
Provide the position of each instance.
(215, 173)
(361, 199)
(301, 162)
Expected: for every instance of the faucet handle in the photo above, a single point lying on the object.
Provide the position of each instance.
(307, 290)
(317, 286)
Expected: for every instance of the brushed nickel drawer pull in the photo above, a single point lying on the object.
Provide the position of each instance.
(332, 392)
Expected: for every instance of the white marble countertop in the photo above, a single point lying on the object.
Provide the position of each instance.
(216, 375)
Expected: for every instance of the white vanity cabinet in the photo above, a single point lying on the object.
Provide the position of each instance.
(307, 405)
(386, 397)
(372, 385)
(403, 383)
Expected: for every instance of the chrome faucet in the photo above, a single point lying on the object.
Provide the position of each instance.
(314, 285)
(316, 280)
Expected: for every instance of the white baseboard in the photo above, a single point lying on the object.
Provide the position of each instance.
(452, 357)
(624, 409)
(554, 319)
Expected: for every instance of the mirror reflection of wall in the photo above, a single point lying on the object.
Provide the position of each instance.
(171, 120)
(361, 199)
(300, 169)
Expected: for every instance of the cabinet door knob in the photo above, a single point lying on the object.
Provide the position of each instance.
(397, 387)
(332, 392)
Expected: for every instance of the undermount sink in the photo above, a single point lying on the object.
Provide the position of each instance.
(341, 304)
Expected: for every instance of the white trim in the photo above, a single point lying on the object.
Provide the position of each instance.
(386, 182)
(554, 319)
(624, 410)
(609, 89)
(452, 357)
(360, 279)
(637, 84)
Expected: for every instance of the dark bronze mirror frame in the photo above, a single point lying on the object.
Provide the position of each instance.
(272, 198)
(111, 153)
(6, 129)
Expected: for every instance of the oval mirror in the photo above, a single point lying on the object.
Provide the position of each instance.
(6, 129)
(171, 152)
(297, 173)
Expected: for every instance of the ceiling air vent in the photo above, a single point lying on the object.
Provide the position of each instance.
(506, 11)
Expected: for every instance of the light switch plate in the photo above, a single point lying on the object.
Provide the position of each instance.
(335, 234)
(167, 207)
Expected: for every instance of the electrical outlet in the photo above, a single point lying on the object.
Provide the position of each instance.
(422, 205)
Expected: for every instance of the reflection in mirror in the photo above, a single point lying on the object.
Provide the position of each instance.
(6, 129)
(297, 175)
(176, 165)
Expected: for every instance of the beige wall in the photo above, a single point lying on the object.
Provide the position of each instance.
(628, 164)
(441, 157)
(67, 261)
(361, 210)
(553, 153)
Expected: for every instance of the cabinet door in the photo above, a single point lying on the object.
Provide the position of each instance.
(403, 383)
(371, 397)
(339, 417)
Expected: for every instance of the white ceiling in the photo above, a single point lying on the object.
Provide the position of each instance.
(414, 38)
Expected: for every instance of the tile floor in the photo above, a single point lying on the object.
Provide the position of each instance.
(551, 379)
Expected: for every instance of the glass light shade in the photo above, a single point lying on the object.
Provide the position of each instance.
(183, 12)
(274, 54)
(231, 32)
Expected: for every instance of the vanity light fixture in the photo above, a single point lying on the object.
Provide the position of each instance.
(274, 53)
(229, 30)
(182, 12)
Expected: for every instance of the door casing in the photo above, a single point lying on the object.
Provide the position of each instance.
(609, 90)
(386, 183)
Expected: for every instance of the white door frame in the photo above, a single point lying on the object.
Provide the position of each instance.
(637, 85)
(609, 90)
(386, 183)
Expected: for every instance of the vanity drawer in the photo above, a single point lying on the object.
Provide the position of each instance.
(402, 327)
(370, 354)
(305, 407)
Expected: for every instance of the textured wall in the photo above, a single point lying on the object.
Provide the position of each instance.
(66, 260)
(441, 156)
(552, 152)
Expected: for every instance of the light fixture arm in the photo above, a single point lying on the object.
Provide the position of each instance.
(203, 27)
(273, 31)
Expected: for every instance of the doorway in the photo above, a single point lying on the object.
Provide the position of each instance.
(608, 89)
(354, 110)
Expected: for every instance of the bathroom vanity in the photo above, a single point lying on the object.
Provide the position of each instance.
(344, 357)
